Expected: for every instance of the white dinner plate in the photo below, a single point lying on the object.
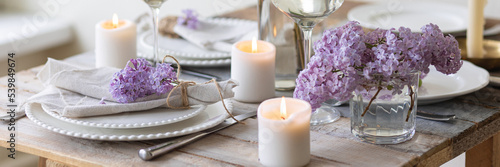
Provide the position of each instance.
(437, 87)
(137, 119)
(213, 115)
(183, 49)
(449, 17)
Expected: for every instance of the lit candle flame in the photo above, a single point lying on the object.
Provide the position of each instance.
(115, 20)
(254, 45)
(283, 108)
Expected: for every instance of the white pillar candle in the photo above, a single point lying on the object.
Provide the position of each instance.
(475, 29)
(115, 43)
(254, 70)
(284, 138)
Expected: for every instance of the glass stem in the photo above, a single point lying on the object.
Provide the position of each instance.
(155, 12)
(307, 33)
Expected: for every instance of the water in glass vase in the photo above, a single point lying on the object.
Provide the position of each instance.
(387, 120)
(307, 12)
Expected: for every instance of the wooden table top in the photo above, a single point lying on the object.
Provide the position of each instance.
(434, 143)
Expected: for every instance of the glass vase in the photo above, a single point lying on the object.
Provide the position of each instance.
(385, 117)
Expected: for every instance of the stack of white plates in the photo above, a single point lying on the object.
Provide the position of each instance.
(139, 125)
(187, 53)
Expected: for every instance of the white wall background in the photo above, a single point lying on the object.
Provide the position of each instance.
(84, 14)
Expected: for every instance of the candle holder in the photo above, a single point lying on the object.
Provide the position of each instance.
(491, 59)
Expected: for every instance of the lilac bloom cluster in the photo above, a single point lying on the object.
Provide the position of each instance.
(191, 19)
(347, 59)
(139, 79)
(162, 78)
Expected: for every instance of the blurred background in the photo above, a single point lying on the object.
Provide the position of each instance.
(62, 28)
(37, 29)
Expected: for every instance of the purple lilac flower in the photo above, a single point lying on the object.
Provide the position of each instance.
(162, 78)
(347, 59)
(131, 82)
(191, 19)
(139, 79)
(445, 54)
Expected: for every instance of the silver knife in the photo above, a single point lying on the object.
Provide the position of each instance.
(435, 117)
(160, 149)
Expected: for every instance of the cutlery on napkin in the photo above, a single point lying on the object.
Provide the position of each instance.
(73, 91)
(214, 35)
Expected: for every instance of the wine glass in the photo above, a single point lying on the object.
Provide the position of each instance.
(308, 13)
(155, 11)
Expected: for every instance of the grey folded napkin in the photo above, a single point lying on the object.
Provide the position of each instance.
(73, 91)
(218, 36)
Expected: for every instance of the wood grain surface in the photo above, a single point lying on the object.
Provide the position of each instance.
(331, 145)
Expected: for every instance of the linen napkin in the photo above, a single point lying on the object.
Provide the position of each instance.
(213, 35)
(73, 91)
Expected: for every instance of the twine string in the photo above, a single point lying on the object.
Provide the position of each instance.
(183, 85)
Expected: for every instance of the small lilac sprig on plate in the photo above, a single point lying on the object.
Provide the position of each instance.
(139, 79)
(347, 59)
(190, 20)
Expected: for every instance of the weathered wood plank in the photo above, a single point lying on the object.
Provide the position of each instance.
(479, 135)
(52, 163)
(421, 144)
(485, 154)
(480, 155)
(496, 150)
(437, 159)
(330, 148)
(42, 161)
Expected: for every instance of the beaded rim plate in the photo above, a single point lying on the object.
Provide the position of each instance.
(213, 115)
(136, 119)
(193, 63)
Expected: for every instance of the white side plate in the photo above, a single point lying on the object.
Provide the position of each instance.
(213, 115)
(138, 119)
(437, 87)
(449, 17)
